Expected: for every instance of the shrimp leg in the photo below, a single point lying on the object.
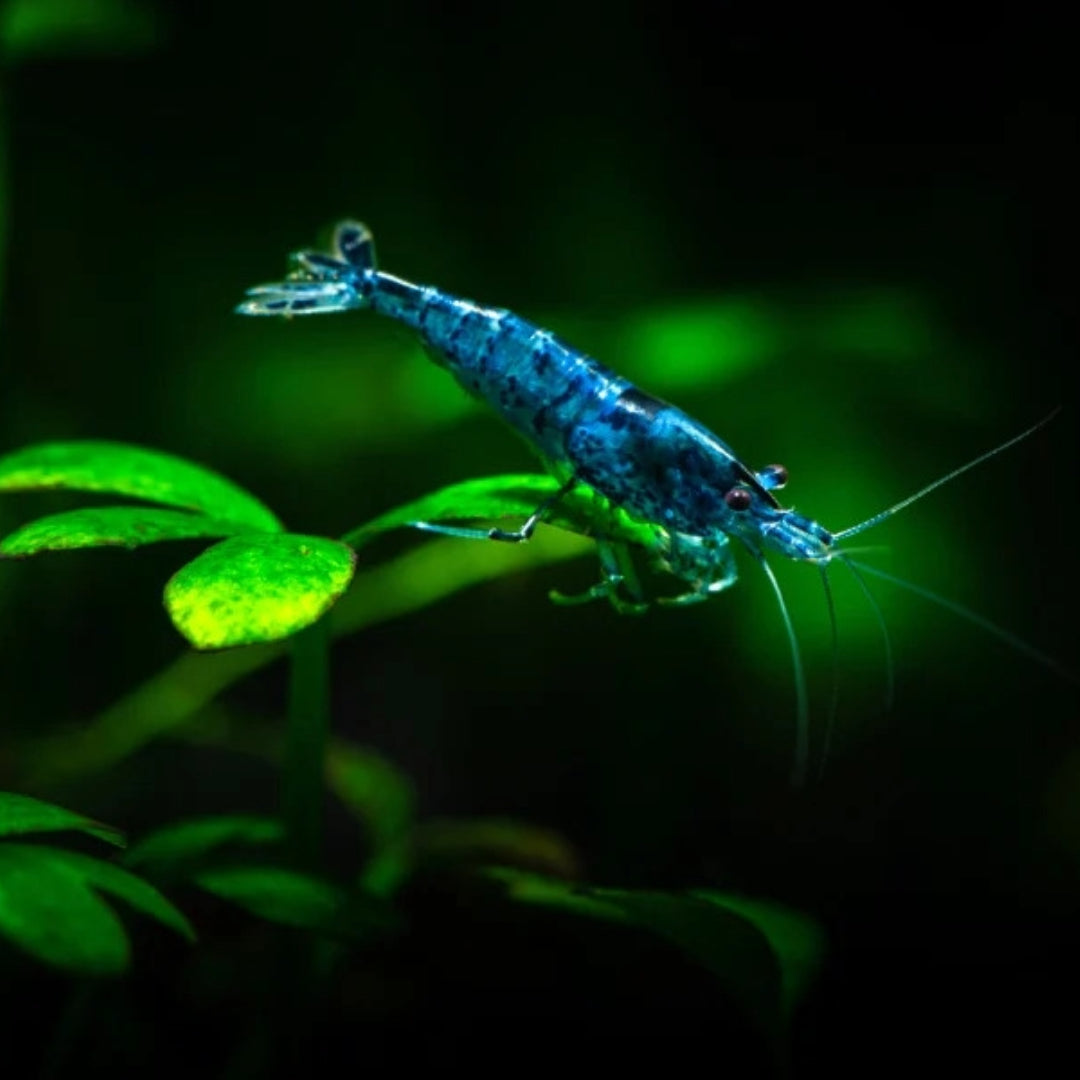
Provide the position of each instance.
(512, 537)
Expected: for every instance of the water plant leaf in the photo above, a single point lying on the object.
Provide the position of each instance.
(583, 510)
(20, 814)
(110, 878)
(428, 573)
(49, 27)
(797, 941)
(112, 526)
(762, 954)
(257, 588)
(134, 471)
(48, 910)
(384, 800)
(292, 898)
(188, 842)
(452, 843)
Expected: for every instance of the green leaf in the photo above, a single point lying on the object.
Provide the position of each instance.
(21, 814)
(48, 27)
(257, 588)
(452, 843)
(383, 798)
(47, 909)
(107, 877)
(188, 842)
(762, 969)
(583, 510)
(294, 899)
(797, 941)
(112, 526)
(121, 469)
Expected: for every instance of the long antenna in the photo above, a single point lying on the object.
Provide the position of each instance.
(878, 518)
(802, 707)
(1019, 644)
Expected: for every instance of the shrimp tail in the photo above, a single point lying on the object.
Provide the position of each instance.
(321, 283)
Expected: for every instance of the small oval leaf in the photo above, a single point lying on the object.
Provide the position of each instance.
(20, 814)
(122, 469)
(291, 898)
(257, 588)
(190, 841)
(583, 510)
(48, 911)
(112, 526)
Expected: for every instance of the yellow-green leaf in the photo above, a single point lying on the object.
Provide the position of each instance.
(121, 469)
(112, 526)
(257, 588)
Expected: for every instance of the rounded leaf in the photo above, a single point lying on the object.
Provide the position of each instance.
(257, 588)
(121, 469)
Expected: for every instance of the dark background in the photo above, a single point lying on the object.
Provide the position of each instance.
(837, 239)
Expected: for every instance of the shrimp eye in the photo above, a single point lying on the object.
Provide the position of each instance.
(773, 477)
(738, 499)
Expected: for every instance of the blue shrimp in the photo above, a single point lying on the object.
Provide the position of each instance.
(591, 426)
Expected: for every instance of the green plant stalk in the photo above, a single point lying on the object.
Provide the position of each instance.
(304, 769)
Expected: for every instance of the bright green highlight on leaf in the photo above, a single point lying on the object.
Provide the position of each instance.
(120, 469)
(112, 526)
(47, 27)
(257, 588)
(20, 814)
(49, 907)
(513, 495)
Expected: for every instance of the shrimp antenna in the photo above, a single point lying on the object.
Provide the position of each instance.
(1019, 644)
(802, 707)
(834, 695)
(878, 518)
(886, 639)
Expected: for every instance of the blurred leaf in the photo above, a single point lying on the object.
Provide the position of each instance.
(187, 842)
(46, 908)
(107, 877)
(797, 941)
(121, 469)
(112, 526)
(382, 797)
(493, 841)
(257, 588)
(291, 898)
(514, 495)
(31, 28)
(22, 814)
(727, 936)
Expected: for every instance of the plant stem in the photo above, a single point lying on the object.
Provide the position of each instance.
(305, 744)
